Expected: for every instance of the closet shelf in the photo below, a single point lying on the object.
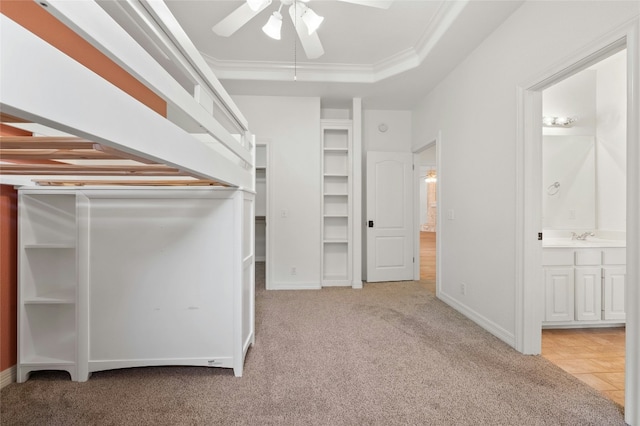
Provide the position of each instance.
(38, 360)
(336, 241)
(65, 245)
(60, 298)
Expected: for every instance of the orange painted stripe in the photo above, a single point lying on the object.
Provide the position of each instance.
(35, 19)
(6, 130)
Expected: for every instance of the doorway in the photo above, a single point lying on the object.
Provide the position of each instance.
(426, 198)
(583, 193)
(529, 291)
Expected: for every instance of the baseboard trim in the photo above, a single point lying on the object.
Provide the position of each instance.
(482, 321)
(8, 376)
(311, 285)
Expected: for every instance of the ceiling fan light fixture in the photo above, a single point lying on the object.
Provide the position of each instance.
(273, 26)
(255, 5)
(311, 19)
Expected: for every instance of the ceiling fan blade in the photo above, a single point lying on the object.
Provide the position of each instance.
(310, 43)
(380, 4)
(236, 19)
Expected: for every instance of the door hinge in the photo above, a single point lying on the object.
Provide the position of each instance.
(414, 260)
(539, 236)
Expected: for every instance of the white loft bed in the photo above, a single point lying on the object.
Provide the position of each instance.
(125, 259)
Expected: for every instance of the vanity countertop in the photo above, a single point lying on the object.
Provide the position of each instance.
(588, 243)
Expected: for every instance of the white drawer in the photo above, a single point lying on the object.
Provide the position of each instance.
(588, 257)
(614, 256)
(560, 257)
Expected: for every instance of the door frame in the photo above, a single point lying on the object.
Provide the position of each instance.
(529, 200)
(416, 209)
(267, 248)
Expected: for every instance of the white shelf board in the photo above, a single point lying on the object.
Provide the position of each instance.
(336, 215)
(39, 360)
(49, 301)
(60, 297)
(337, 149)
(68, 245)
(335, 194)
(336, 241)
(342, 175)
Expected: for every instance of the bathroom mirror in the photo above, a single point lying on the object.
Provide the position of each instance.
(568, 182)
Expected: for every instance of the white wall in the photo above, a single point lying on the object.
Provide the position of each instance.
(611, 166)
(397, 138)
(475, 109)
(292, 126)
(568, 155)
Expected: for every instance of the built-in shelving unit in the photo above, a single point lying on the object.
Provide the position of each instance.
(48, 283)
(336, 202)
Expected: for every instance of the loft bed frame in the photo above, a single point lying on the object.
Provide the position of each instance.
(204, 140)
(106, 190)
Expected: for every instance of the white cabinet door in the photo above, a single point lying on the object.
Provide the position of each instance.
(559, 296)
(588, 285)
(613, 293)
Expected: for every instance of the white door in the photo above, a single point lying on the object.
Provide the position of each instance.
(389, 216)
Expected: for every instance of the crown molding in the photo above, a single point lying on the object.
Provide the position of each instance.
(398, 63)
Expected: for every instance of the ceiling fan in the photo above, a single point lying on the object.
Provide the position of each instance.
(304, 19)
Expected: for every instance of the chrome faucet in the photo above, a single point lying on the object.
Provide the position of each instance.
(582, 236)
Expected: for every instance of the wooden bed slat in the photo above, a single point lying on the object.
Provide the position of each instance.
(50, 182)
(120, 154)
(81, 170)
(56, 154)
(44, 142)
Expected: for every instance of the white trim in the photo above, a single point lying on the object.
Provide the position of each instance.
(356, 191)
(8, 376)
(528, 149)
(300, 285)
(395, 64)
(632, 356)
(268, 214)
(479, 319)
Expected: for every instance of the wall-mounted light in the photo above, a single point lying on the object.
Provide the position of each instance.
(549, 121)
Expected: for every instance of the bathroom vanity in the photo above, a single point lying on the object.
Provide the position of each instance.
(584, 282)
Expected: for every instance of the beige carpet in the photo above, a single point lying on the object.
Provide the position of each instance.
(388, 354)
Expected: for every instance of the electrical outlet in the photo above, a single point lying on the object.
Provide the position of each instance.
(294, 271)
(463, 289)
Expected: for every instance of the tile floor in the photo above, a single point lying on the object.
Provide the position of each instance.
(593, 355)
